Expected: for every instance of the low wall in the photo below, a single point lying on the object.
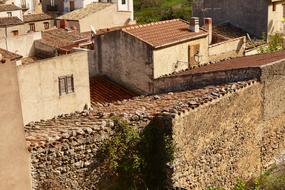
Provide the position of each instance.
(189, 81)
(230, 48)
(39, 86)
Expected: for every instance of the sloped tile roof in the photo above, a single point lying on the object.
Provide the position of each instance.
(163, 33)
(37, 17)
(9, 55)
(84, 12)
(103, 90)
(10, 21)
(9, 7)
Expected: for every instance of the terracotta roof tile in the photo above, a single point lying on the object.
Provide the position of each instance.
(84, 12)
(253, 61)
(9, 55)
(10, 21)
(37, 17)
(103, 90)
(163, 33)
(9, 7)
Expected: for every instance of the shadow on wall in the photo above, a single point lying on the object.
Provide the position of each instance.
(133, 160)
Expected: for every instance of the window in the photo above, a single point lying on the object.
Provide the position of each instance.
(123, 2)
(32, 27)
(52, 3)
(274, 6)
(9, 14)
(66, 85)
(15, 32)
(46, 25)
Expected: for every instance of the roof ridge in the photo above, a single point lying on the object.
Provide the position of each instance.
(150, 24)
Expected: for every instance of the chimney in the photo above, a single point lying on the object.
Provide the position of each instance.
(194, 24)
(208, 23)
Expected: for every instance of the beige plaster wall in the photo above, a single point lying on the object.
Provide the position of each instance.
(22, 44)
(14, 157)
(106, 18)
(39, 89)
(230, 48)
(275, 18)
(175, 58)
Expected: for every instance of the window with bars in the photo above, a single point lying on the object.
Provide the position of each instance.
(66, 85)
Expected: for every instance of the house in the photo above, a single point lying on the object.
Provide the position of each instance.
(257, 17)
(14, 158)
(28, 6)
(54, 86)
(99, 15)
(57, 42)
(134, 56)
(14, 23)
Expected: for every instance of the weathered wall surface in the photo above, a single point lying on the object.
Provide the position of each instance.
(189, 81)
(275, 17)
(26, 47)
(39, 88)
(175, 58)
(251, 15)
(217, 143)
(230, 48)
(14, 158)
(126, 61)
(115, 18)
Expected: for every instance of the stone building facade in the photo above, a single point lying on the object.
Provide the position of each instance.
(132, 57)
(257, 17)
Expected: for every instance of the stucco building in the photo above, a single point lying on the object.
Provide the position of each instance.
(135, 55)
(14, 158)
(98, 15)
(28, 6)
(257, 17)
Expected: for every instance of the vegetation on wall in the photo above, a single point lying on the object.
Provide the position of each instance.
(275, 43)
(137, 159)
(272, 179)
(156, 10)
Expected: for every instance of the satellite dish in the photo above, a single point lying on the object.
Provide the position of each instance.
(93, 29)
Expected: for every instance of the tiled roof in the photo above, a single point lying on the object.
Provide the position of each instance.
(84, 12)
(10, 21)
(9, 55)
(103, 90)
(163, 33)
(37, 17)
(59, 38)
(253, 61)
(9, 7)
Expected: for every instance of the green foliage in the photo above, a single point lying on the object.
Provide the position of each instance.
(275, 43)
(156, 10)
(240, 185)
(137, 159)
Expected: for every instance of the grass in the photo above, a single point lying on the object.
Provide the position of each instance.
(163, 10)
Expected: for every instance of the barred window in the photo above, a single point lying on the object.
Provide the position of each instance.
(66, 85)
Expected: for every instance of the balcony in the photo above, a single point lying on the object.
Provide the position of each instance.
(52, 8)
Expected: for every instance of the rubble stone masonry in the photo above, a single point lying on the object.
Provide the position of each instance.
(221, 133)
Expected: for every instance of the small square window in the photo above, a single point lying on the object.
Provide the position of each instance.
(9, 14)
(46, 25)
(15, 32)
(123, 2)
(66, 85)
(32, 27)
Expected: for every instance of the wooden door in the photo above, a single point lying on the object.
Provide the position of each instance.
(72, 5)
(193, 52)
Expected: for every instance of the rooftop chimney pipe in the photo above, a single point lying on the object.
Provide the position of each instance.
(194, 24)
(208, 23)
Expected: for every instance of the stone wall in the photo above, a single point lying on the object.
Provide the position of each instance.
(182, 81)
